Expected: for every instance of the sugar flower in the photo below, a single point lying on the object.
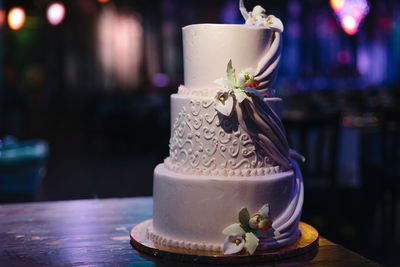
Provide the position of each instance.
(224, 103)
(233, 243)
(274, 23)
(258, 17)
(251, 243)
(245, 233)
(263, 215)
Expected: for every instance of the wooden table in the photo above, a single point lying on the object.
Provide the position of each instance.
(96, 232)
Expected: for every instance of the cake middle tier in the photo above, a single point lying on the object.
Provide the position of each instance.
(204, 142)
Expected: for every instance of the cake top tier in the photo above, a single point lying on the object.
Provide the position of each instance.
(255, 45)
(207, 48)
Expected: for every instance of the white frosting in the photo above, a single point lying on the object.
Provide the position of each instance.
(204, 142)
(274, 102)
(220, 164)
(204, 171)
(207, 48)
(191, 209)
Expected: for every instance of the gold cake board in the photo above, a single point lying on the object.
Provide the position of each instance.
(303, 250)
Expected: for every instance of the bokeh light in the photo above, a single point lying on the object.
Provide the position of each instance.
(103, 1)
(160, 80)
(350, 13)
(337, 5)
(349, 25)
(55, 13)
(16, 18)
(120, 46)
(344, 57)
(2, 17)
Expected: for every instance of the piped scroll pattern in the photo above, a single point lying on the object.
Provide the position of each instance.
(205, 143)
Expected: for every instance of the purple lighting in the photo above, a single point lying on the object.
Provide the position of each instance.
(344, 57)
(363, 61)
(160, 80)
(55, 13)
(350, 13)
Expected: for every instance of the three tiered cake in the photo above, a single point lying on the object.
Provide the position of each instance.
(230, 183)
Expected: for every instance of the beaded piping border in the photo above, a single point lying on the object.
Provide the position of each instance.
(221, 172)
(157, 238)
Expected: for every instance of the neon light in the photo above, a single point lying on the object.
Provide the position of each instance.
(55, 13)
(16, 18)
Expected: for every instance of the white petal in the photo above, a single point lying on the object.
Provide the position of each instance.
(243, 10)
(249, 21)
(233, 229)
(251, 242)
(241, 80)
(249, 70)
(276, 23)
(258, 10)
(230, 247)
(253, 223)
(240, 95)
(264, 211)
(225, 107)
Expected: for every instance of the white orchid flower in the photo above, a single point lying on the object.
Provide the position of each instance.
(244, 76)
(233, 243)
(224, 103)
(264, 211)
(258, 10)
(274, 23)
(262, 214)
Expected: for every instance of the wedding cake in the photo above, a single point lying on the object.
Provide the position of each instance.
(230, 184)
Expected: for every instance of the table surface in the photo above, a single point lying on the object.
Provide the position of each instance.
(96, 232)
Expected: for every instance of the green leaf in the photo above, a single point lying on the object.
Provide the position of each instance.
(233, 229)
(230, 72)
(244, 217)
(251, 242)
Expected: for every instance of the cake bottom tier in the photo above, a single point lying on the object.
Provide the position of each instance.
(191, 211)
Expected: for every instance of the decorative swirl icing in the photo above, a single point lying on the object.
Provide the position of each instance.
(202, 141)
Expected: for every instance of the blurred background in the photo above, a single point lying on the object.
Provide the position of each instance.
(84, 103)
